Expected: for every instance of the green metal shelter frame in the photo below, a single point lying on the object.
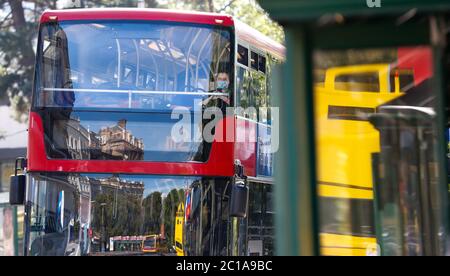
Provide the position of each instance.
(307, 10)
(337, 24)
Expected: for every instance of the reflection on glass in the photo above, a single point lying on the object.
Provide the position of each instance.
(261, 232)
(121, 136)
(72, 214)
(375, 114)
(104, 214)
(134, 65)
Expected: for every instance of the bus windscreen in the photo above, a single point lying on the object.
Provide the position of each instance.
(108, 90)
(131, 65)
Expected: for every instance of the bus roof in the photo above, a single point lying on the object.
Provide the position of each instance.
(244, 32)
(260, 41)
(137, 14)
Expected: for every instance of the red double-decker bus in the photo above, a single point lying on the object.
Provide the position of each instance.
(121, 100)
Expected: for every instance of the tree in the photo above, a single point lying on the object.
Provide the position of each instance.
(151, 3)
(17, 33)
(117, 213)
(16, 56)
(247, 11)
(152, 206)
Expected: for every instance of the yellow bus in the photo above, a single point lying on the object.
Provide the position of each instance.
(179, 224)
(345, 97)
(150, 244)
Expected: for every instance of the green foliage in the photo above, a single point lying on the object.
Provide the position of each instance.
(110, 3)
(117, 214)
(252, 14)
(248, 11)
(152, 206)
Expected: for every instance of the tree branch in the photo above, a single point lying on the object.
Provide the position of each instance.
(226, 6)
(151, 3)
(210, 6)
(20, 23)
(17, 14)
(5, 19)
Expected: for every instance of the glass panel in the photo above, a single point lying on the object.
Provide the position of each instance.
(363, 82)
(100, 214)
(260, 95)
(261, 232)
(246, 94)
(206, 220)
(347, 216)
(379, 187)
(11, 229)
(265, 156)
(401, 79)
(262, 64)
(6, 170)
(221, 215)
(242, 55)
(85, 135)
(254, 62)
(255, 205)
(130, 64)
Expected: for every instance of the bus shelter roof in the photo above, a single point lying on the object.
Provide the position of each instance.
(307, 10)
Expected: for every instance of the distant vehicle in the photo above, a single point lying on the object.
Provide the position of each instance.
(150, 244)
(179, 224)
(346, 96)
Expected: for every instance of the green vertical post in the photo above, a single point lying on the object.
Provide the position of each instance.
(296, 220)
(439, 43)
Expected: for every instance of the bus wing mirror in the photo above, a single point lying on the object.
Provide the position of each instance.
(17, 190)
(18, 184)
(239, 200)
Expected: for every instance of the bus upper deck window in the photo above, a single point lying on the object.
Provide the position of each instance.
(242, 55)
(358, 82)
(254, 61)
(401, 80)
(262, 64)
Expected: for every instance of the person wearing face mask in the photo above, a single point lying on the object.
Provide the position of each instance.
(222, 86)
(223, 81)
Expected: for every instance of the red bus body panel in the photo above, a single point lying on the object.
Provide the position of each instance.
(220, 163)
(245, 146)
(138, 14)
(419, 59)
